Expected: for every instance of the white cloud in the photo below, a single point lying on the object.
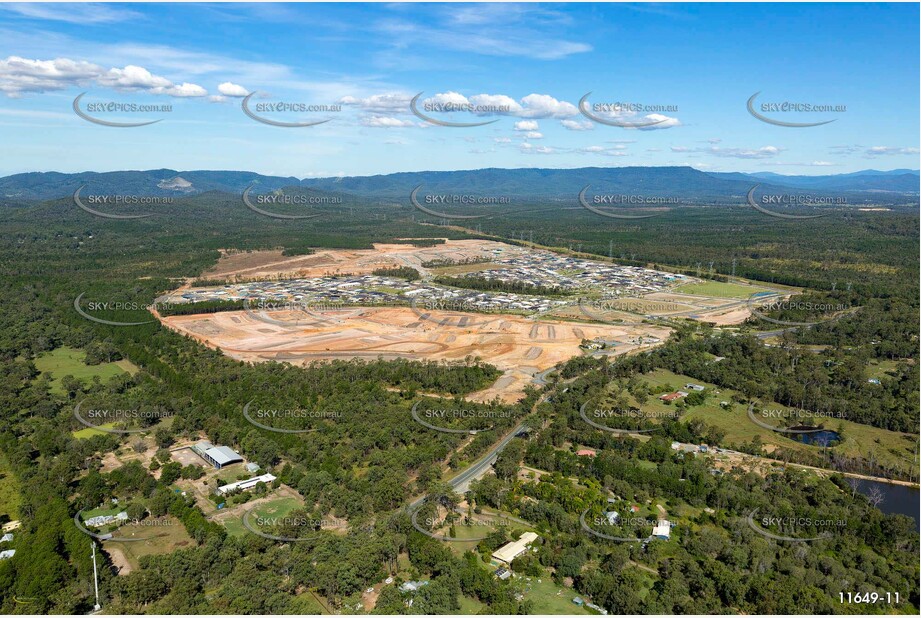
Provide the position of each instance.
(22, 75)
(184, 89)
(545, 106)
(532, 149)
(385, 122)
(74, 13)
(229, 89)
(874, 151)
(765, 152)
(503, 140)
(380, 103)
(577, 125)
(534, 135)
(496, 101)
(663, 122)
(526, 125)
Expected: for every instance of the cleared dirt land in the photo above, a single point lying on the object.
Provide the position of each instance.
(256, 265)
(518, 346)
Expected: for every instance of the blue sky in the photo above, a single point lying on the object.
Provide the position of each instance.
(697, 63)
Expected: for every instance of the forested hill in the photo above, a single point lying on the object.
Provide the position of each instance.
(684, 183)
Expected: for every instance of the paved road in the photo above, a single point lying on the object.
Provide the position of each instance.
(461, 482)
(767, 334)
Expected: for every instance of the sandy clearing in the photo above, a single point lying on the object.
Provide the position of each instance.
(255, 265)
(507, 341)
(118, 558)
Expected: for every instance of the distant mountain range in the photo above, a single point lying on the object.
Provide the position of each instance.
(685, 183)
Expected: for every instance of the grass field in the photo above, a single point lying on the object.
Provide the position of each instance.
(308, 604)
(878, 368)
(68, 361)
(100, 511)
(279, 507)
(167, 536)
(10, 498)
(719, 289)
(548, 598)
(469, 606)
(89, 432)
(889, 447)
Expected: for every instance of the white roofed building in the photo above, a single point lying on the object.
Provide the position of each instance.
(508, 552)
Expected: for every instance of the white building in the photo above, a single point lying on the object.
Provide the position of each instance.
(247, 484)
(508, 552)
(663, 530)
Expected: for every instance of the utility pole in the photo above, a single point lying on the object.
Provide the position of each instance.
(96, 607)
(733, 267)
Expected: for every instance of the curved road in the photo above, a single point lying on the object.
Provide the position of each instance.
(461, 482)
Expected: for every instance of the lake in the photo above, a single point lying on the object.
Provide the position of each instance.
(896, 498)
(818, 438)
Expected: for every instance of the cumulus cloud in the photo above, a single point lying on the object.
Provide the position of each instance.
(578, 125)
(614, 151)
(184, 89)
(662, 122)
(532, 149)
(874, 151)
(545, 106)
(532, 106)
(534, 135)
(526, 125)
(385, 122)
(387, 103)
(765, 152)
(229, 89)
(19, 76)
